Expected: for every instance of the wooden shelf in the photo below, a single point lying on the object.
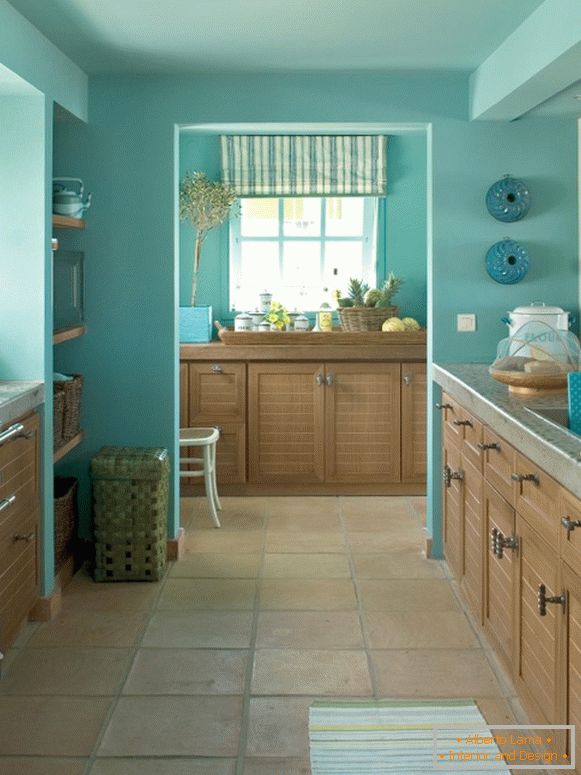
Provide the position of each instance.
(64, 334)
(66, 222)
(66, 448)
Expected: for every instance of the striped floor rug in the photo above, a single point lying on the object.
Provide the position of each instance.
(390, 737)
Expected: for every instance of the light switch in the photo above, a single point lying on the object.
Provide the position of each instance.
(466, 322)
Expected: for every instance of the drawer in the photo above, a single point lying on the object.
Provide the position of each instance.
(20, 445)
(217, 392)
(537, 499)
(498, 464)
(25, 502)
(570, 535)
(472, 443)
(452, 414)
(17, 533)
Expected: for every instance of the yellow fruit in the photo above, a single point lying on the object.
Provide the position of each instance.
(393, 324)
(411, 324)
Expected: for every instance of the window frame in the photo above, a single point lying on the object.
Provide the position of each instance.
(368, 239)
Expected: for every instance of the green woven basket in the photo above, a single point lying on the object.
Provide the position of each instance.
(130, 503)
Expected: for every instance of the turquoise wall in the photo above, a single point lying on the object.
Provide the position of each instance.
(126, 156)
(401, 226)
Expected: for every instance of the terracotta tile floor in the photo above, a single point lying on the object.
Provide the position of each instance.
(212, 671)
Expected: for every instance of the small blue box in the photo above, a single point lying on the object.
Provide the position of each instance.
(574, 396)
(196, 324)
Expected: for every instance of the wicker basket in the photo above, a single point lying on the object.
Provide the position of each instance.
(65, 518)
(130, 501)
(365, 318)
(58, 407)
(72, 390)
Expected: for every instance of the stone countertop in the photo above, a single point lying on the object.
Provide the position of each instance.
(18, 397)
(554, 449)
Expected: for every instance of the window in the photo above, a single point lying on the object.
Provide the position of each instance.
(294, 247)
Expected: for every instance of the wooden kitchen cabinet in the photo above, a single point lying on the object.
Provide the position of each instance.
(286, 403)
(19, 526)
(362, 422)
(500, 574)
(413, 422)
(471, 536)
(538, 625)
(570, 675)
(453, 503)
(217, 392)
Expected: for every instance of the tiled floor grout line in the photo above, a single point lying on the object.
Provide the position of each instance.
(133, 651)
(360, 610)
(245, 719)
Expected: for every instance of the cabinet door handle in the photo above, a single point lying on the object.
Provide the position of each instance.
(330, 379)
(494, 533)
(26, 537)
(219, 428)
(491, 445)
(502, 543)
(543, 599)
(319, 380)
(443, 406)
(407, 379)
(570, 524)
(7, 502)
(448, 474)
(216, 368)
(14, 432)
(462, 422)
(525, 478)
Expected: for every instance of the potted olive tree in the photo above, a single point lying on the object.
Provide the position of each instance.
(206, 204)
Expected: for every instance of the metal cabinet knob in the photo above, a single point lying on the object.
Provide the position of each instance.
(330, 379)
(407, 379)
(484, 445)
(462, 422)
(525, 478)
(443, 406)
(500, 542)
(216, 368)
(319, 379)
(543, 599)
(570, 524)
(26, 537)
(219, 428)
(7, 502)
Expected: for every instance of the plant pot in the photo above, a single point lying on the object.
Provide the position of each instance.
(196, 324)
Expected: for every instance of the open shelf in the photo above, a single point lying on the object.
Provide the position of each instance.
(66, 448)
(66, 222)
(64, 334)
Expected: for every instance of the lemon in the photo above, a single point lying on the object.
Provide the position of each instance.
(393, 324)
(410, 324)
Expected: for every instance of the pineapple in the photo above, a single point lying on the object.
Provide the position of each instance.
(372, 297)
(356, 292)
(389, 290)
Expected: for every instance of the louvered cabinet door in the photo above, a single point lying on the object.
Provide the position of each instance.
(362, 422)
(184, 395)
(285, 422)
(538, 625)
(453, 500)
(413, 422)
(471, 536)
(217, 393)
(500, 575)
(571, 656)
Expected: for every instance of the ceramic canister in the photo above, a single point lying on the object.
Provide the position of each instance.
(265, 299)
(257, 318)
(243, 322)
(301, 323)
(264, 326)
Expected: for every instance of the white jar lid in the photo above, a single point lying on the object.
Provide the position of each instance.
(537, 308)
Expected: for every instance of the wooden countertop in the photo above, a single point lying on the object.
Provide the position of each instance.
(335, 346)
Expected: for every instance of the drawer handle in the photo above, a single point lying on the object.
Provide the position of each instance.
(444, 406)
(7, 502)
(525, 478)
(570, 524)
(483, 445)
(463, 422)
(26, 537)
(14, 432)
(543, 599)
(319, 380)
(216, 368)
(448, 474)
(330, 379)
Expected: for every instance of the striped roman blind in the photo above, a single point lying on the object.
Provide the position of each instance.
(304, 165)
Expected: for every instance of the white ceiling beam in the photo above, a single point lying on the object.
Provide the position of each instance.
(539, 59)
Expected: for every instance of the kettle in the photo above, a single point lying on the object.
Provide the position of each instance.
(67, 201)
